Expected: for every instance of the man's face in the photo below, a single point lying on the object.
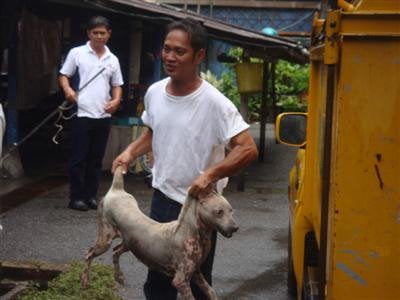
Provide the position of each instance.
(178, 56)
(99, 36)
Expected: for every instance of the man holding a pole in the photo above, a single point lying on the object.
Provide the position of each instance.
(100, 73)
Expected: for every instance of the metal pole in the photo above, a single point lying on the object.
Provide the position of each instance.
(333, 4)
(326, 5)
(263, 111)
(324, 8)
(45, 120)
(273, 88)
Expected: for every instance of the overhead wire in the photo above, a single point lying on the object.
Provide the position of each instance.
(298, 21)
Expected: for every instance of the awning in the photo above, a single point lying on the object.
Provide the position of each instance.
(258, 44)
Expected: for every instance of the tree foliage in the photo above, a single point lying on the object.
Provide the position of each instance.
(291, 85)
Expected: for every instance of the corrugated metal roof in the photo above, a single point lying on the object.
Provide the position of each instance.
(256, 42)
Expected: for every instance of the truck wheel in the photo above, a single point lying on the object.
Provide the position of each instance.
(291, 278)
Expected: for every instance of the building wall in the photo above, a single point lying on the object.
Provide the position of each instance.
(298, 20)
(282, 20)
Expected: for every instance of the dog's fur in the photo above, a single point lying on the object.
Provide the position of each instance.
(176, 249)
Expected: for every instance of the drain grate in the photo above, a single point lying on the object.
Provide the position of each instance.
(16, 275)
(9, 290)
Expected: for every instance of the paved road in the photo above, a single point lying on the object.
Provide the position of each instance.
(250, 265)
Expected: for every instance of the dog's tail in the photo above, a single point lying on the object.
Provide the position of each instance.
(118, 181)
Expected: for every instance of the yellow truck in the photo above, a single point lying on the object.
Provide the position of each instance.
(344, 189)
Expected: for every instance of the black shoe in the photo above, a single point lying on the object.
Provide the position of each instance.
(91, 203)
(78, 205)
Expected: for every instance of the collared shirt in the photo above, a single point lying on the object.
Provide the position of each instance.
(94, 97)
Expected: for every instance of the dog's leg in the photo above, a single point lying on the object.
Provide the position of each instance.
(106, 233)
(182, 278)
(181, 282)
(207, 290)
(117, 251)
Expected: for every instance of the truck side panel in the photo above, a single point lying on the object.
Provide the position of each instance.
(365, 189)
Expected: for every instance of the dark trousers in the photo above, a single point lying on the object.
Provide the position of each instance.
(89, 141)
(157, 285)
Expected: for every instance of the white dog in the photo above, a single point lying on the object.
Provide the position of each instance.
(176, 249)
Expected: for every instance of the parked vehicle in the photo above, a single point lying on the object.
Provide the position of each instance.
(344, 189)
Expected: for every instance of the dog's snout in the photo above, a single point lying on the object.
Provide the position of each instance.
(235, 228)
(230, 230)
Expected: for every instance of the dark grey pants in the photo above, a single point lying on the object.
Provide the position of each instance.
(88, 145)
(157, 285)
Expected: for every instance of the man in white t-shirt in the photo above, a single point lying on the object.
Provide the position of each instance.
(95, 103)
(190, 123)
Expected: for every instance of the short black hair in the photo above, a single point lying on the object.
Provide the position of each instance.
(97, 21)
(197, 33)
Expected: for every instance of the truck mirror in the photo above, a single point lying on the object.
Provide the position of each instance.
(290, 128)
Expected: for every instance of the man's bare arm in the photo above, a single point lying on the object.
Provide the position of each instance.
(243, 152)
(113, 104)
(69, 93)
(138, 147)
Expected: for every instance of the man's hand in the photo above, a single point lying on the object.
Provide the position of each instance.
(112, 106)
(137, 148)
(124, 160)
(201, 186)
(70, 95)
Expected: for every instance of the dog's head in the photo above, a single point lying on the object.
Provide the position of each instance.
(216, 211)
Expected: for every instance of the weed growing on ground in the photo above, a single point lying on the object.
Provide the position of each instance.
(68, 285)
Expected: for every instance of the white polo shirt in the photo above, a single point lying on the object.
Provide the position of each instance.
(93, 98)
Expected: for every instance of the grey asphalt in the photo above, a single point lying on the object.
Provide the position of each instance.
(250, 265)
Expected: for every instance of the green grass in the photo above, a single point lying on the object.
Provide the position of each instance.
(68, 285)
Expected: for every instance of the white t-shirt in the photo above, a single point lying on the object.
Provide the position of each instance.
(93, 98)
(189, 134)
